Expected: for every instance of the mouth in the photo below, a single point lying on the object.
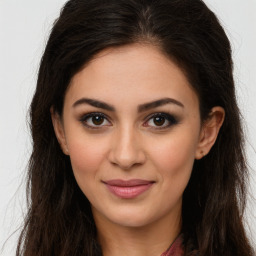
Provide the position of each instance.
(128, 188)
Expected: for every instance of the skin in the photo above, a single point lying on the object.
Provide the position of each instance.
(130, 144)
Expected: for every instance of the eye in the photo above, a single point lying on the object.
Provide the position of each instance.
(160, 121)
(95, 120)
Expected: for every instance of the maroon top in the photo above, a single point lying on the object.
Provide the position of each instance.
(176, 249)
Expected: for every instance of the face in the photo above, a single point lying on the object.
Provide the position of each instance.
(131, 126)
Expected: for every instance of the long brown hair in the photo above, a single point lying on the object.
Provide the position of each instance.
(59, 219)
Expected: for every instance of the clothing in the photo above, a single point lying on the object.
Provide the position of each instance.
(176, 249)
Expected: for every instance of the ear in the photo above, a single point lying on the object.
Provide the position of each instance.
(209, 131)
(59, 130)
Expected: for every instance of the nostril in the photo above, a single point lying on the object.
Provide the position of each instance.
(127, 160)
(126, 149)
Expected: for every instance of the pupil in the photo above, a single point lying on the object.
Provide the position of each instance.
(97, 120)
(159, 121)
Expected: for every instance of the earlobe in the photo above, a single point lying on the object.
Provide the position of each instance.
(59, 131)
(209, 132)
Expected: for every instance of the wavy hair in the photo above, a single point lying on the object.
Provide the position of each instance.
(59, 219)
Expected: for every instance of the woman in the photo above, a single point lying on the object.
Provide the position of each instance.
(138, 147)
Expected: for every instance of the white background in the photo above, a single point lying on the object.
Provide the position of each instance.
(24, 28)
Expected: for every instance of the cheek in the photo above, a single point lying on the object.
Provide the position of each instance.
(174, 157)
(86, 157)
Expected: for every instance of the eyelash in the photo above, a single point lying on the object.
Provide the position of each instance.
(171, 119)
(85, 118)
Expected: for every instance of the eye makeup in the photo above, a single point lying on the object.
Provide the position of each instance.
(155, 121)
(95, 120)
(160, 120)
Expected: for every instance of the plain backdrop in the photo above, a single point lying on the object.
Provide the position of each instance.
(24, 28)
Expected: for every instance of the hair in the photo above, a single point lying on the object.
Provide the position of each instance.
(59, 219)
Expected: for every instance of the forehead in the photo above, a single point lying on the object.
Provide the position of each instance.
(131, 74)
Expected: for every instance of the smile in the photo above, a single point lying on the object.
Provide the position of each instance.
(128, 188)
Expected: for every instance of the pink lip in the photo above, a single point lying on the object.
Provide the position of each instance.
(128, 188)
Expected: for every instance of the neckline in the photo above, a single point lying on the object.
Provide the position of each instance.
(175, 249)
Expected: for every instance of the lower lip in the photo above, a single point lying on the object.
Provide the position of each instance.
(128, 192)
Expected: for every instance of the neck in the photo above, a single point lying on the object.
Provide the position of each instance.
(150, 240)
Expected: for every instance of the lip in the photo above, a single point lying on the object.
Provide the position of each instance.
(128, 188)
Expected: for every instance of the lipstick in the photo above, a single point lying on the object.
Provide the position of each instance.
(128, 188)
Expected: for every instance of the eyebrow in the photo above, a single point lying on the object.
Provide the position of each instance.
(141, 108)
(94, 103)
(158, 103)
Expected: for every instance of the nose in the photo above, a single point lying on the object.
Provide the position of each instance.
(126, 149)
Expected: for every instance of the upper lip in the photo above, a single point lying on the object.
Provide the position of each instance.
(127, 183)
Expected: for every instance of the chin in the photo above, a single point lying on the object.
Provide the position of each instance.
(132, 222)
(132, 218)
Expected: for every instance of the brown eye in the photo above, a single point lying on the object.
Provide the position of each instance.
(159, 120)
(97, 120)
